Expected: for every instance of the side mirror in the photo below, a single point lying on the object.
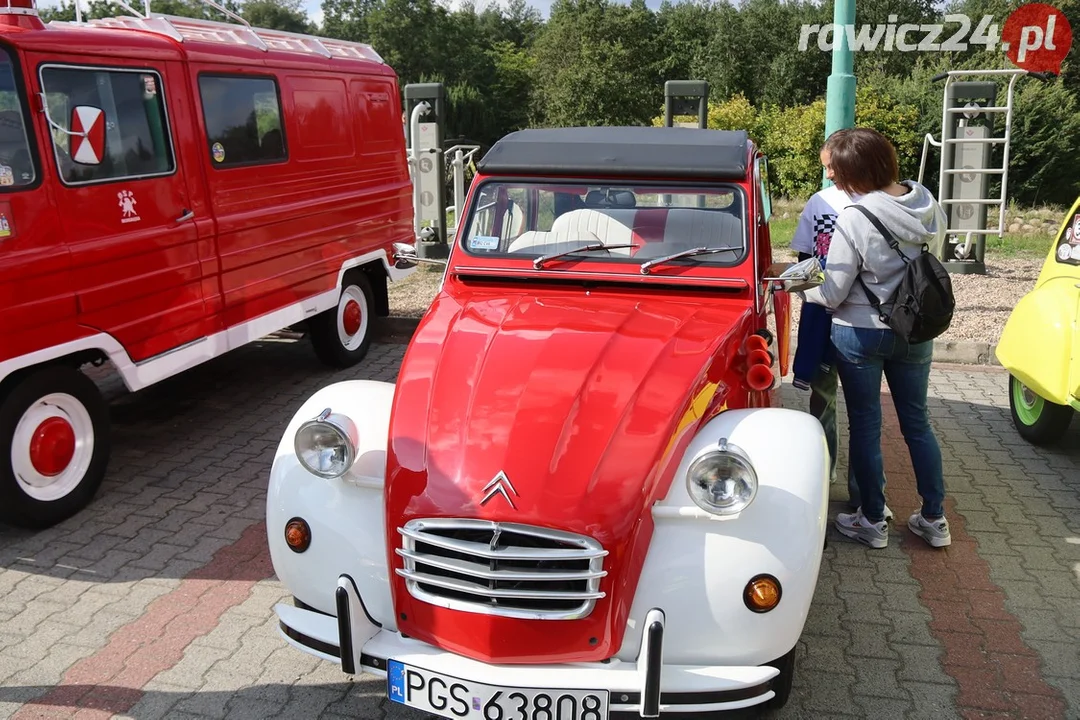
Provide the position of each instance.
(87, 134)
(797, 277)
(405, 256)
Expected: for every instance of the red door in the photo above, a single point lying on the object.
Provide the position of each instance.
(124, 203)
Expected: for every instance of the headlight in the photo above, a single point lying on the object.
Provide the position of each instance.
(722, 481)
(326, 446)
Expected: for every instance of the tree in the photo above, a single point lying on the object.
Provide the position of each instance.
(286, 15)
(597, 63)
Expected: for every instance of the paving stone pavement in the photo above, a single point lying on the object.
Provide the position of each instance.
(155, 602)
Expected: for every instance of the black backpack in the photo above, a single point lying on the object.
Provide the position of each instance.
(922, 306)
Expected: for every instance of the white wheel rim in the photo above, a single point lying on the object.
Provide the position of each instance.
(49, 488)
(352, 294)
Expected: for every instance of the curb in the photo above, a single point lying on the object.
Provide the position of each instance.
(956, 352)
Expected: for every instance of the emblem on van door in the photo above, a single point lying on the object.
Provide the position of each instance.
(499, 486)
(127, 206)
(88, 135)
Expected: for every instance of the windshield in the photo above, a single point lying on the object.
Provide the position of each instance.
(16, 165)
(639, 222)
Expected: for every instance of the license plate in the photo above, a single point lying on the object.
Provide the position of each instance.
(452, 697)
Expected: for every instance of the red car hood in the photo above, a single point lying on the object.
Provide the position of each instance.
(581, 401)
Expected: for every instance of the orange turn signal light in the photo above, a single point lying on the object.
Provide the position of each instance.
(297, 535)
(762, 593)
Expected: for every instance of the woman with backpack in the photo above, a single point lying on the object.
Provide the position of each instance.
(878, 256)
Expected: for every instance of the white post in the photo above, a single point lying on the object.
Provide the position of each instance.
(421, 108)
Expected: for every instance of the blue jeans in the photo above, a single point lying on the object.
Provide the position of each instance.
(823, 407)
(862, 355)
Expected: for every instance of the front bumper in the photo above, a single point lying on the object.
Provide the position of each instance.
(644, 688)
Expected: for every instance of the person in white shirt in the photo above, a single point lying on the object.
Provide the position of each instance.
(813, 235)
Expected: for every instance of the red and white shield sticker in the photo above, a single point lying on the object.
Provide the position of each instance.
(88, 148)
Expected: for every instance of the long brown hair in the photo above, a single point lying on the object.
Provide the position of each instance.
(862, 160)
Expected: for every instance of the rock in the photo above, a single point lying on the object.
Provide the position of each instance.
(1027, 228)
(1014, 228)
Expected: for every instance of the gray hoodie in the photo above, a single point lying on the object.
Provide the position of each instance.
(858, 249)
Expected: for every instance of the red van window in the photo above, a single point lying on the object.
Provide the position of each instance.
(243, 120)
(16, 163)
(132, 112)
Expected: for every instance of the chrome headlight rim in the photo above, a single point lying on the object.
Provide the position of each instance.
(728, 451)
(338, 424)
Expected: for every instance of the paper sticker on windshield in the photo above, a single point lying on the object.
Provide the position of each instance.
(484, 242)
(219, 152)
(1068, 249)
(6, 176)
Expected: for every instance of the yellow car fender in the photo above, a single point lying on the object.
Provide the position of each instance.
(1037, 342)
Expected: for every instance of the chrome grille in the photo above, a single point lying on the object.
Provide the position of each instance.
(504, 569)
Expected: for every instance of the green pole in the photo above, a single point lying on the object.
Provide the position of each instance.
(840, 91)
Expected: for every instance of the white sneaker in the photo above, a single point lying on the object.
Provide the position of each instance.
(936, 533)
(857, 527)
(888, 513)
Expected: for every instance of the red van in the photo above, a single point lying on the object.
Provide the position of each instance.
(171, 189)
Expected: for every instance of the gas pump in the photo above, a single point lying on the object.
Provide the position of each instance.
(425, 104)
(968, 132)
(686, 97)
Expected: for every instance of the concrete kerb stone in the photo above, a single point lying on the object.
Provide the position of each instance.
(955, 352)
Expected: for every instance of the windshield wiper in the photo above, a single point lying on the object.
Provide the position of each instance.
(685, 253)
(539, 262)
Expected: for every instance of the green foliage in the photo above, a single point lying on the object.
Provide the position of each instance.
(597, 63)
(604, 62)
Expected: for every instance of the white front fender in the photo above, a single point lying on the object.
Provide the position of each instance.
(345, 514)
(698, 563)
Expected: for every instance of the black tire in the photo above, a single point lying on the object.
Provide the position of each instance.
(1038, 420)
(80, 403)
(333, 345)
(781, 684)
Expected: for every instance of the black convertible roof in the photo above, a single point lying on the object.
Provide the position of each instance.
(675, 152)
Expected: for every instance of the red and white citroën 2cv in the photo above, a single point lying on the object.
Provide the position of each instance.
(575, 502)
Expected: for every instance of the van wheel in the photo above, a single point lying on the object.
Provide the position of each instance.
(54, 435)
(341, 335)
(1038, 420)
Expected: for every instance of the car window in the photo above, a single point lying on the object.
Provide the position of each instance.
(243, 120)
(128, 106)
(16, 162)
(532, 219)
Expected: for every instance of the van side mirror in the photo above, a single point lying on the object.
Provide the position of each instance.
(87, 134)
(405, 256)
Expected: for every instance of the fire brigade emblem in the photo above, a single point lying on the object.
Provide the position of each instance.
(127, 206)
(88, 141)
(218, 151)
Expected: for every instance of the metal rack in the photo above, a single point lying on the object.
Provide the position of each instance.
(239, 32)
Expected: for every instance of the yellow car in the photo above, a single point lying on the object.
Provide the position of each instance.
(1040, 346)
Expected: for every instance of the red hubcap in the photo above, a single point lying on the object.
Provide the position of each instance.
(52, 446)
(351, 318)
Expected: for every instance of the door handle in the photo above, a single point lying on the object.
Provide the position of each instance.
(188, 214)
